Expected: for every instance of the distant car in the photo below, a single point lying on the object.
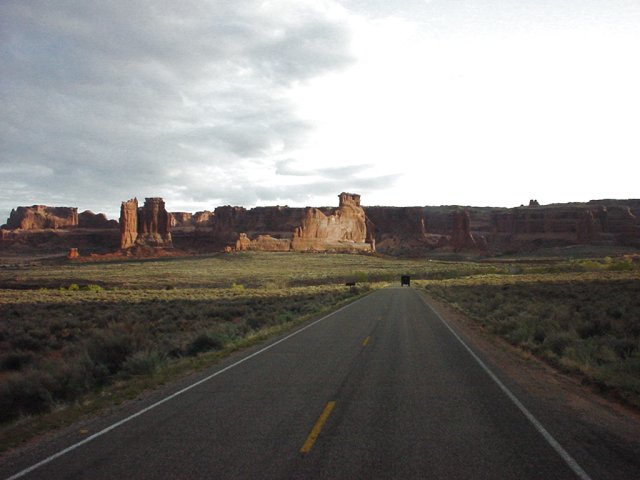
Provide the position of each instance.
(405, 280)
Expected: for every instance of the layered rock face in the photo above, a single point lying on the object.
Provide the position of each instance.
(417, 230)
(181, 219)
(40, 217)
(343, 229)
(461, 237)
(263, 243)
(187, 219)
(146, 226)
(564, 225)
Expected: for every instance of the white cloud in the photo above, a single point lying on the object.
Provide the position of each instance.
(476, 116)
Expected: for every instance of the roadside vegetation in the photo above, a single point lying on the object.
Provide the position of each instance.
(584, 320)
(60, 344)
(75, 338)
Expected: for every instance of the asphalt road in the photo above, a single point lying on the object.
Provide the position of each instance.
(380, 389)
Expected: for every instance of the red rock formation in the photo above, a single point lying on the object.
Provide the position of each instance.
(227, 224)
(243, 243)
(186, 219)
(181, 219)
(391, 230)
(128, 223)
(154, 224)
(146, 226)
(88, 219)
(263, 243)
(461, 237)
(39, 217)
(557, 224)
(203, 218)
(397, 230)
(344, 229)
(587, 227)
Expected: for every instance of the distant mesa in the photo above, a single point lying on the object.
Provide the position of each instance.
(88, 219)
(40, 217)
(150, 229)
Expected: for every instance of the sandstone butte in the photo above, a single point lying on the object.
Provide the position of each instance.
(348, 228)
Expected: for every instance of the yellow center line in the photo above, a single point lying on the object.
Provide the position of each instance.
(315, 431)
(366, 341)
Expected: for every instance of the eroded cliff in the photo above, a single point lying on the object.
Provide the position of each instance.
(349, 227)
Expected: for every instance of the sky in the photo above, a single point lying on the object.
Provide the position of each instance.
(290, 102)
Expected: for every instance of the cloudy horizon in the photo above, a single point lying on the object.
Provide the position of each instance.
(290, 102)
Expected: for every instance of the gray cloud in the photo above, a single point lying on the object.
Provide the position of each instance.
(289, 167)
(105, 100)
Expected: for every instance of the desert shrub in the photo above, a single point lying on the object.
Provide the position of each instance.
(624, 347)
(72, 376)
(16, 360)
(558, 342)
(523, 330)
(361, 277)
(205, 342)
(142, 363)
(23, 340)
(593, 328)
(503, 326)
(255, 323)
(25, 393)
(622, 265)
(108, 351)
(634, 327)
(92, 287)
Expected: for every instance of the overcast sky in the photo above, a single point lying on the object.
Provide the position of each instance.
(242, 102)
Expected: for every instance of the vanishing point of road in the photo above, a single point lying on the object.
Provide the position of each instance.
(382, 388)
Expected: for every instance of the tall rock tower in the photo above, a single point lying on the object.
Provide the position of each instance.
(149, 225)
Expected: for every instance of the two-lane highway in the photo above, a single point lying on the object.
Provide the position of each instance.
(380, 389)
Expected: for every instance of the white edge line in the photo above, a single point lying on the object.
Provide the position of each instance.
(568, 459)
(173, 395)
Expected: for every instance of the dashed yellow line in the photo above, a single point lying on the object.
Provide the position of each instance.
(366, 341)
(315, 431)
